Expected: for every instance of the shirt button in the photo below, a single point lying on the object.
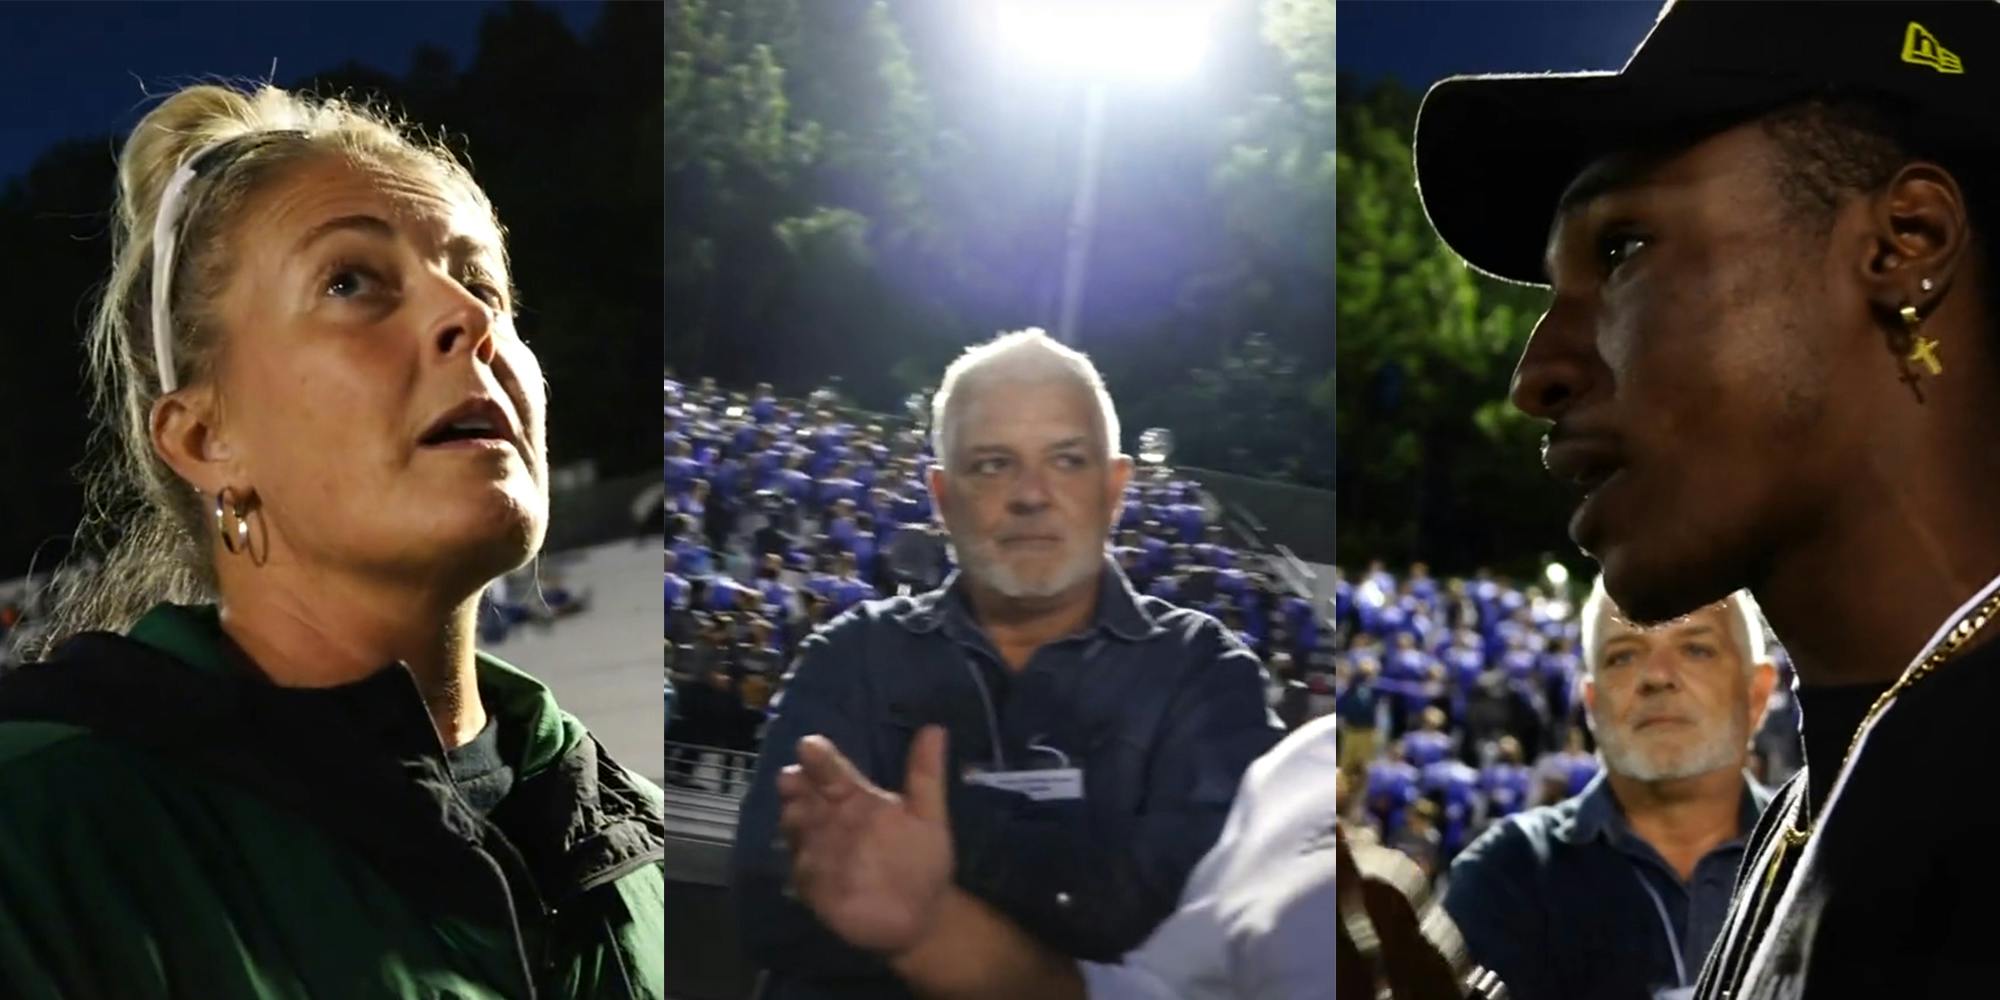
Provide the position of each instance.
(1062, 900)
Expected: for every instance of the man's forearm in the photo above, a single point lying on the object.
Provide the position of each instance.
(973, 952)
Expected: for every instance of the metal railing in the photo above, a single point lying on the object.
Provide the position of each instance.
(705, 788)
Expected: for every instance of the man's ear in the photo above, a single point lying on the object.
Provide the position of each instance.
(186, 434)
(1121, 475)
(1589, 685)
(940, 486)
(1919, 229)
(1763, 678)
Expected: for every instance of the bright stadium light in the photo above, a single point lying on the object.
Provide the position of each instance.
(1102, 42)
(1126, 39)
(1557, 573)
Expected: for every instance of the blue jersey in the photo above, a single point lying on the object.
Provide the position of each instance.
(727, 479)
(1411, 670)
(1519, 665)
(681, 474)
(1465, 666)
(1507, 788)
(1578, 769)
(841, 531)
(1455, 787)
(1132, 515)
(864, 549)
(848, 593)
(764, 468)
(912, 508)
(691, 558)
(777, 597)
(676, 591)
(1388, 620)
(1189, 516)
(832, 490)
(1392, 788)
(1424, 748)
(795, 483)
(822, 584)
(722, 594)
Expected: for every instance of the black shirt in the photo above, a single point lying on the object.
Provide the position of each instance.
(1828, 718)
(478, 770)
(1892, 895)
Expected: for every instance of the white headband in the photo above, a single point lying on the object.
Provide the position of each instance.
(165, 235)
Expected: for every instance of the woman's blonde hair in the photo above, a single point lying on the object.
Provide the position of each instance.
(145, 529)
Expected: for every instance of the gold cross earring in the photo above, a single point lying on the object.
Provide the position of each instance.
(1923, 350)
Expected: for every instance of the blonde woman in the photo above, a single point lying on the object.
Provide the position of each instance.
(261, 757)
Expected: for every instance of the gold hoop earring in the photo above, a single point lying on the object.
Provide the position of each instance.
(228, 504)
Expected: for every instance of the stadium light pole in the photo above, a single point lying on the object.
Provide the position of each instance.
(1101, 41)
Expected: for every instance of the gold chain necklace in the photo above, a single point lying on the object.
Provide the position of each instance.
(1789, 835)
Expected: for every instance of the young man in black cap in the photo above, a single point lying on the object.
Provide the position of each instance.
(1772, 334)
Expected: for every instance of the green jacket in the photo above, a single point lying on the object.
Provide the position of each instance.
(174, 825)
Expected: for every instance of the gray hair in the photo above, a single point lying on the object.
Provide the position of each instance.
(1746, 626)
(1029, 355)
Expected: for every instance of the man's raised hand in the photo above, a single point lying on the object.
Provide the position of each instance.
(872, 864)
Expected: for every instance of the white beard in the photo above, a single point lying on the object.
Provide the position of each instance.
(1718, 744)
(984, 564)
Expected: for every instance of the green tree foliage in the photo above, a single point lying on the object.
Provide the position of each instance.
(801, 153)
(1434, 464)
(1275, 181)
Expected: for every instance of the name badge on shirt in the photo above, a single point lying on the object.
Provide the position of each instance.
(1053, 784)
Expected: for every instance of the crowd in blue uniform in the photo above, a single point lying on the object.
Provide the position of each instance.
(781, 514)
(1459, 705)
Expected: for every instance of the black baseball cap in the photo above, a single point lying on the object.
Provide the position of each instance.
(1494, 153)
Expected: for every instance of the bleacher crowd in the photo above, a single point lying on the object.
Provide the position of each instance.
(1460, 704)
(782, 514)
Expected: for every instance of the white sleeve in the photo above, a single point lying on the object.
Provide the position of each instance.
(1252, 919)
(1123, 982)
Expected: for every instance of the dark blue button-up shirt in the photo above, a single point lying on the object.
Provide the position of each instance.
(1159, 707)
(1565, 902)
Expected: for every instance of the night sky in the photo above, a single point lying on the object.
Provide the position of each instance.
(71, 70)
(1418, 42)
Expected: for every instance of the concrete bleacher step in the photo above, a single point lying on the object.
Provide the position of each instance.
(604, 664)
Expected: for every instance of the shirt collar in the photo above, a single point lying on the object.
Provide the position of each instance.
(1595, 812)
(193, 635)
(1119, 610)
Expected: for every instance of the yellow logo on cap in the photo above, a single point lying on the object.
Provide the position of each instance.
(1922, 48)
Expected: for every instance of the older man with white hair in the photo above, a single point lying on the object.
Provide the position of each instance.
(1621, 890)
(1097, 737)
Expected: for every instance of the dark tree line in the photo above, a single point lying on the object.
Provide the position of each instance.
(1435, 464)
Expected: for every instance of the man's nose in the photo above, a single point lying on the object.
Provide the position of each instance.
(1030, 494)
